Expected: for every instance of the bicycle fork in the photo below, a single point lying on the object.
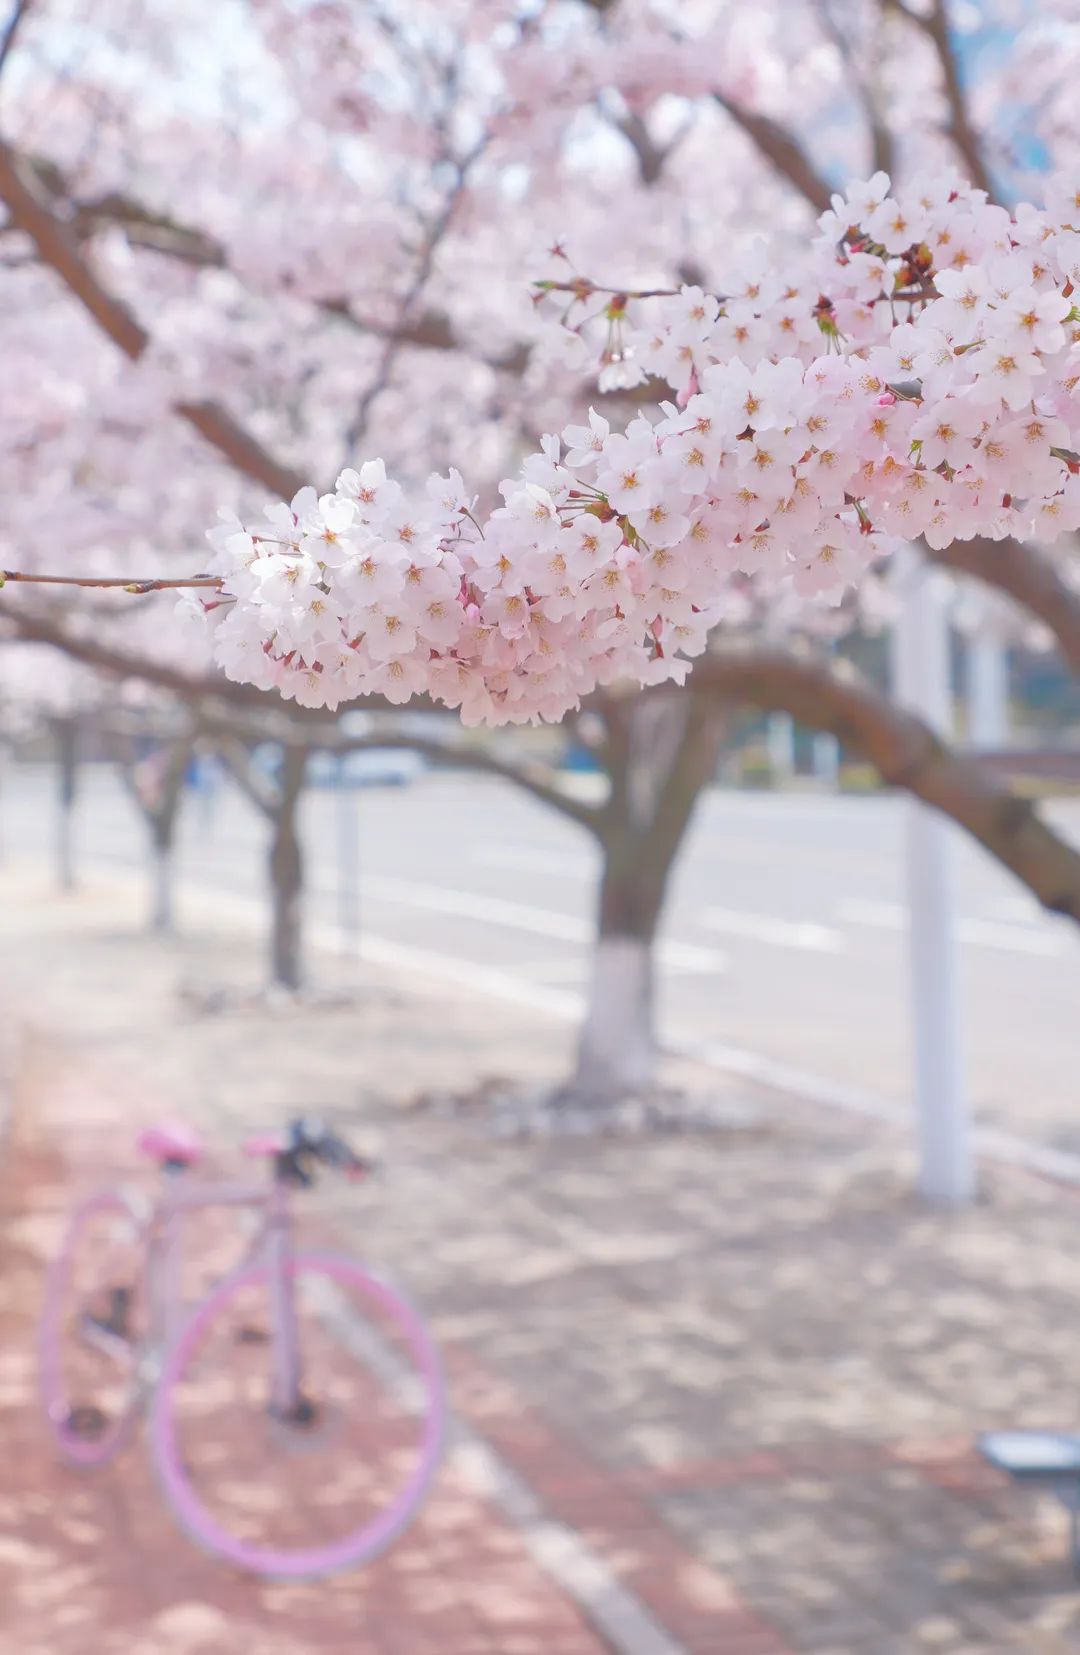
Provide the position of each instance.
(286, 1396)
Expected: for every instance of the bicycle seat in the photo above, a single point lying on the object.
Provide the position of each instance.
(170, 1143)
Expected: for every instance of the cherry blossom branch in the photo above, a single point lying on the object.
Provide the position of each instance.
(961, 130)
(830, 697)
(540, 781)
(583, 288)
(906, 753)
(934, 24)
(650, 156)
(208, 690)
(777, 145)
(167, 236)
(123, 663)
(256, 787)
(881, 138)
(433, 238)
(143, 227)
(59, 249)
(123, 583)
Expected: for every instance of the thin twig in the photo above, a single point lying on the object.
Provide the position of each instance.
(123, 582)
(394, 340)
(583, 289)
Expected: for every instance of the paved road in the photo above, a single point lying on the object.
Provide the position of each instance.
(784, 936)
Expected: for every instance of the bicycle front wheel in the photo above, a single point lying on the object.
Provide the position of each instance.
(330, 1481)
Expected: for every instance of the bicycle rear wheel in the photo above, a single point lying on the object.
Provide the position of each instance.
(337, 1478)
(93, 1325)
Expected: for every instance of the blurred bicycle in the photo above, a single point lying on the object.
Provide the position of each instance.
(296, 1415)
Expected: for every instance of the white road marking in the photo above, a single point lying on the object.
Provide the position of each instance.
(453, 972)
(495, 910)
(1017, 910)
(522, 916)
(724, 850)
(783, 933)
(783, 1078)
(984, 933)
(553, 970)
(794, 807)
(532, 861)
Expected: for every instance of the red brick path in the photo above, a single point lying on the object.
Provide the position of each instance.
(94, 1561)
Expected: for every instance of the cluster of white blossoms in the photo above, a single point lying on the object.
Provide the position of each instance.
(917, 375)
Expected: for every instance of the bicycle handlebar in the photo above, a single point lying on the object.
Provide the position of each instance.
(310, 1139)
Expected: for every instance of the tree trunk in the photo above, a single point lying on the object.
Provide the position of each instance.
(67, 760)
(287, 875)
(163, 829)
(659, 758)
(162, 918)
(156, 785)
(617, 1046)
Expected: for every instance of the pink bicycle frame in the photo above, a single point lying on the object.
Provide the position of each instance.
(272, 1241)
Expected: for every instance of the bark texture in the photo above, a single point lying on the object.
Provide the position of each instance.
(287, 876)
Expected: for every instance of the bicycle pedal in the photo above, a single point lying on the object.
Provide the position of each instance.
(87, 1421)
(303, 1412)
(252, 1336)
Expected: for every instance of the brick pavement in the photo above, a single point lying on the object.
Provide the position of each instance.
(744, 1370)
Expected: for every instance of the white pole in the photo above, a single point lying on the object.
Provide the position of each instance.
(348, 837)
(826, 751)
(987, 687)
(780, 740)
(922, 683)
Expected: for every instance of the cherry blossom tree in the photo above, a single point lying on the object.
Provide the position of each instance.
(155, 780)
(824, 402)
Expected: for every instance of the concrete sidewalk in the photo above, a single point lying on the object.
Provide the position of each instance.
(717, 1393)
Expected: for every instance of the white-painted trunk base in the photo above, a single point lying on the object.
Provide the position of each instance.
(617, 1050)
